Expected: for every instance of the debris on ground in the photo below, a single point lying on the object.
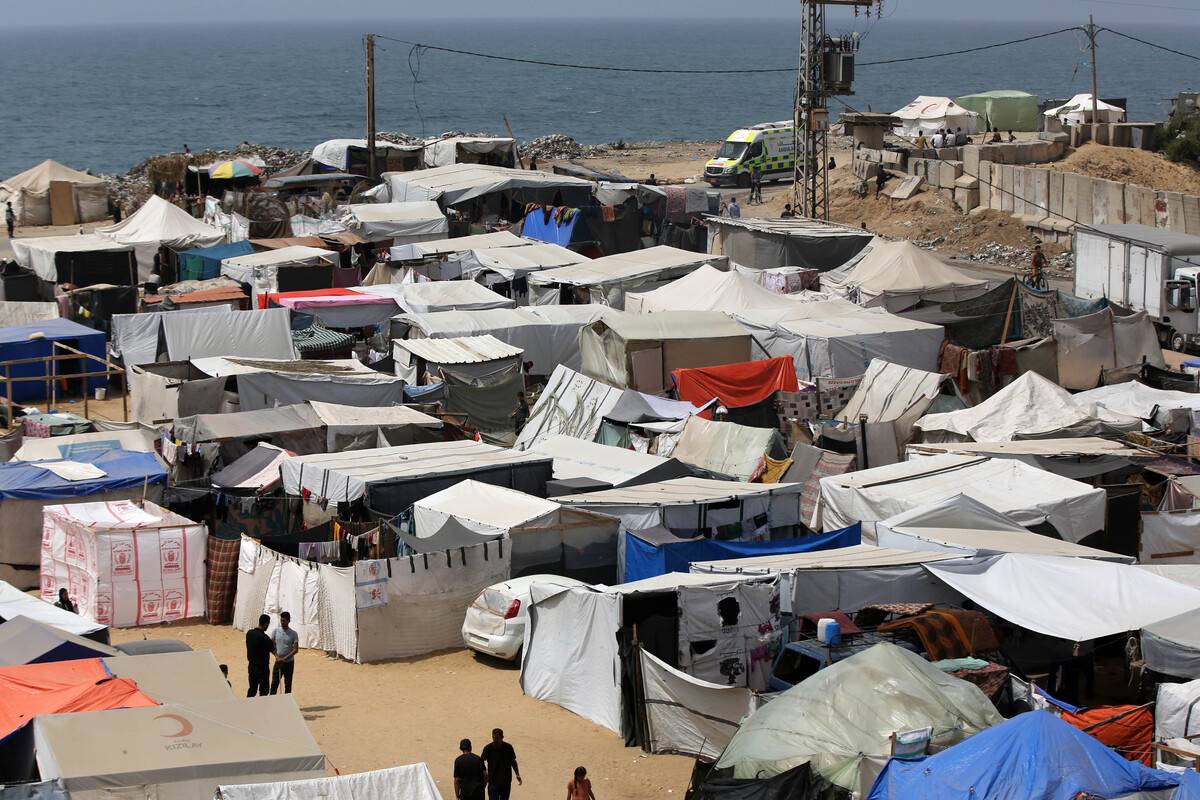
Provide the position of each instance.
(558, 146)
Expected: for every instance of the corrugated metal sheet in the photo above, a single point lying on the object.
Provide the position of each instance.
(460, 350)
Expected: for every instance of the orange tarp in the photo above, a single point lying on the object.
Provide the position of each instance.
(60, 687)
(737, 385)
(1130, 735)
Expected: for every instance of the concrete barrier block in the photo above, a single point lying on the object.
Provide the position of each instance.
(1006, 187)
(1160, 210)
(1037, 191)
(1133, 209)
(1083, 197)
(948, 173)
(1055, 181)
(1191, 214)
(1175, 218)
(1101, 214)
(1146, 206)
(970, 159)
(1070, 198)
(893, 157)
(965, 181)
(985, 184)
(966, 198)
(1018, 190)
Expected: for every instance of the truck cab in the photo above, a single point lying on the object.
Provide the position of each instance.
(770, 146)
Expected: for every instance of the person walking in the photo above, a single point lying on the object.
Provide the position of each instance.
(501, 761)
(286, 642)
(470, 773)
(734, 210)
(756, 179)
(258, 658)
(10, 219)
(521, 413)
(580, 788)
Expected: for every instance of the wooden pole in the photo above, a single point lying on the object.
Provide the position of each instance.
(1095, 99)
(1012, 298)
(507, 127)
(369, 44)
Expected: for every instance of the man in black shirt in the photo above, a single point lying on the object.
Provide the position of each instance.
(501, 760)
(470, 774)
(258, 658)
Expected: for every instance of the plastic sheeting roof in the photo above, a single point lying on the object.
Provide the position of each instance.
(456, 183)
(860, 556)
(669, 325)
(889, 391)
(494, 506)
(460, 349)
(333, 152)
(708, 289)
(577, 458)
(510, 262)
(165, 223)
(32, 480)
(383, 416)
(901, 268)
(932, 108)
(432, 296)
(572, 404)
(295, 254)
(628, 266)
(1076, 599)
(1137, 400)
(411, 782)
(15, 603)
(38, 178)
(459, 244)
(678, 491)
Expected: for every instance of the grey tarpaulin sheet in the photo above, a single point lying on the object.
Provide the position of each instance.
(1103, 341)
(487, 401)
(267, 389)
(252, 334)
(767, 250)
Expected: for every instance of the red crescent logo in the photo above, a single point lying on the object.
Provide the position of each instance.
(185, 727)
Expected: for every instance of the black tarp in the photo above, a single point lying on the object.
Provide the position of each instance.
(244, 468)
(766, 250)
(386, 499)
(799, 783)
(80, 269)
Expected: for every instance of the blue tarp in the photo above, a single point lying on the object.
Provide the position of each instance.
(536, 227)
(204, 263)
(25, 480)
(647, 559)
(1189, 786)
(1032, 755)
(15, 344)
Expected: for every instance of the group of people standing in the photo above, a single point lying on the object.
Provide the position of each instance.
(282, 643)
(494, 768)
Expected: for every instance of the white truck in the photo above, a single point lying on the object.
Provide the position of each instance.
(1148, 269)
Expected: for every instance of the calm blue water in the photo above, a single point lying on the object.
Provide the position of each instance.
(105, 98)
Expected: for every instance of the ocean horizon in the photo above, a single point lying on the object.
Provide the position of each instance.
(106, 97)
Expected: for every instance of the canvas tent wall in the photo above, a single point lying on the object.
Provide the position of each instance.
(606, 280)
(433, 296)
(439, 248)
(612, 466)
(411, 782)
(160, 224)
(896, 275)
(506, 264)
(166, 391)
(708, 289)
(352, 156)
(454, 184)
(544, 536)
(283, 269)
(266, 383)
(1029, 495)
(98, 754)
(770, 243)
(1103, 341)
(26, 641)
(53, 194)
(496, 150)
(1003, 109)
(929, 114)
(204, 333)
(571, 404)
(729, 450)
(403, 223)
(641, 352)
(1078, 111)
(125, 565)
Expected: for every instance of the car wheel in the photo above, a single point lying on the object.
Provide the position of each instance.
(1177, 342)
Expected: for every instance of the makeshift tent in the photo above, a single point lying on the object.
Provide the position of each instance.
(607, 279)
(283, 269)
(257, 470)
(54, 194)
(692, 504)
(204, 263)
(845, 578)
(836, 339)
(964, 526)
(377, 609)
(475, 356)
(610, 466)
(825, 721)
(496, 150)
(15, 603)
(708, 289)
(169, 390)
(160, 224)
(1031, 755)
(545, 536)
(769, 243)
(351, 427)
(447, 247)
(140, 440)
(1165, 408)
(1079, 109)
(403, 223)
(1003, 109)
(641, 352)
(26, 487)
(1029, 495)
(457, 183)
(31, 690)
(736, 385)
(27, 641)
(888, 401)
(184, 676)
(1082, 457)
(729, 450)
(294, 427)
(1172, 646)
(338, 308)
(266, 383)
(500, 264)
(124, 565)
(571, 404)
(203, 333)
(37, 340)
(1092, 344)
(411, 782)
(929, 114)
(350, 155)
(45, 254)
(1029, 407)
(424, 298)
(1076, 599)
(393, 478)
(657, 551)
(96, 755)
(897, 275)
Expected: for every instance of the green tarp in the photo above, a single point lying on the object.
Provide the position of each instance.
(1004, 109)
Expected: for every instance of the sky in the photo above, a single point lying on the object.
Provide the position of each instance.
(123, 12)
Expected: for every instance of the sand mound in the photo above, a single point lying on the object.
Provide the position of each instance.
(1139, 167)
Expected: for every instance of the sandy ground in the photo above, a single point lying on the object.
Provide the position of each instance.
(1139, 167)
(370, 716)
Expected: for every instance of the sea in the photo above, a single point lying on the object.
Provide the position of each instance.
(104, 98)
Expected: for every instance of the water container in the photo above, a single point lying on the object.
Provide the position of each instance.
(833, 632)
(826, 627)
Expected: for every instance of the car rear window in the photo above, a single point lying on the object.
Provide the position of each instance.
(493, 600)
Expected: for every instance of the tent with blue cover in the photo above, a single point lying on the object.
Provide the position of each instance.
(27, 641)
(35, 341)
(204, 263)
(657, 551)
(1032, 755)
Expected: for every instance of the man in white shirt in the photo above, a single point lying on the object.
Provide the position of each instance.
(938, 141)
(286, 642)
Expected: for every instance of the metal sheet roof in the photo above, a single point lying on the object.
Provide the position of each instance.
(460, 350)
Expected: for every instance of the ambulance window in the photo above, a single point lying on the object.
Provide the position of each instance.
(731, 150)
(755, 150)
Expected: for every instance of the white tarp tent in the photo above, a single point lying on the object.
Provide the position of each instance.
(1077, 599)
(576, 458)
(1168, 409)
(38, 254)
(468, 149)
(607, 279)
(513, 262)
(837, 339)
(266, 383)
(963, 526)
(895, 275)
(261, 270)
(1029, 407)
(136, 752)
(15, 603)
(160, 224)
(29, 193)
(433, 296)
(1027, 494)
(892, 397)
(456, 183)
(459, 244)
(410, 782)
(335, 152)
(929, 114)
(52, 447)
(1172, 646)
(848, 712)
(727, 449)
(123, 564)
(204, 333)
(571, 404)
(709, 289)
(1078, 111)
(403, 223)
(1088, 346)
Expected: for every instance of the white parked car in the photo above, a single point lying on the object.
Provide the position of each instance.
(495, 622)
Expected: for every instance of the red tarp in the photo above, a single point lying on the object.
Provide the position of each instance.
(60, 687)
(1130, 734)
(264, 300)
(737, 385)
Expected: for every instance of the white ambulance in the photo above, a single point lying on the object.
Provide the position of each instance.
(770, 145)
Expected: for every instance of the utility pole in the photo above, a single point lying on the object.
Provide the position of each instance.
(369, 46)
(1091, 32)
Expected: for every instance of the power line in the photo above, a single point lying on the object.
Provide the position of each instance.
(1141, 5)
(969, 49)
(1152, 44)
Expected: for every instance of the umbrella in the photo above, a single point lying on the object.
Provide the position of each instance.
(238, 168)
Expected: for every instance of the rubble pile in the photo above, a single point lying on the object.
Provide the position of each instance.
(558, 146)
(1007, 255)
